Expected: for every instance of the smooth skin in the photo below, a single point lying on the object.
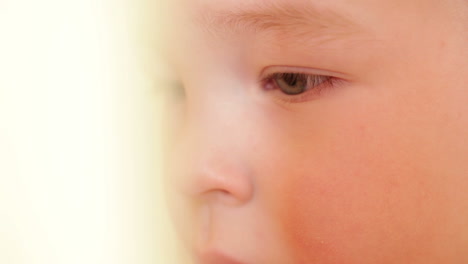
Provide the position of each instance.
(371, 168)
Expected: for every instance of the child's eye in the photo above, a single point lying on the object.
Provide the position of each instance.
(297, 87)
(297, 83)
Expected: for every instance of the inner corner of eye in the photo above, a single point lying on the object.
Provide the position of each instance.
(268, 84)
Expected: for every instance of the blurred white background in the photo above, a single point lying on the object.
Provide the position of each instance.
(79, 129)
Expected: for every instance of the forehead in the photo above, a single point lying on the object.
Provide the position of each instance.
(203, 6)
(285, 16)
(330, 19)
(198, 7)
(364, 11)
(231, 3)
(301, 23)
(291, 18)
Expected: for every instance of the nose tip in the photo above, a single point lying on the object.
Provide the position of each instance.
(231, 182)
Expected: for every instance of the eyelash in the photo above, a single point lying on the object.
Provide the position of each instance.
(269, 83)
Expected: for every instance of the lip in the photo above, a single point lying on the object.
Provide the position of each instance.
(215, 257)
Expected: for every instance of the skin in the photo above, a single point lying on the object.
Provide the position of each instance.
(373, 170)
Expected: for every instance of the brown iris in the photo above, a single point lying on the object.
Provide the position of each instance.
(292, 83)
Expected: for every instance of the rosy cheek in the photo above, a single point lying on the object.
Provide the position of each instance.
(316, 214)
(350, 202)
(329, 195)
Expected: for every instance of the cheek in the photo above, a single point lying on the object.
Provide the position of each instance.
(353, 197)
(331, 205)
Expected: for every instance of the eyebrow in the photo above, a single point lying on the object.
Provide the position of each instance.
(285, 19)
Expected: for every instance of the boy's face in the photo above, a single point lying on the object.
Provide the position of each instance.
(319, 131)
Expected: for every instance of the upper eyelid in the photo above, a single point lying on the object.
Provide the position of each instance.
(268, 71)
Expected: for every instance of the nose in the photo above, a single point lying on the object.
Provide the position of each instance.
(208, 179)
(220, 175)
(213, 161)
